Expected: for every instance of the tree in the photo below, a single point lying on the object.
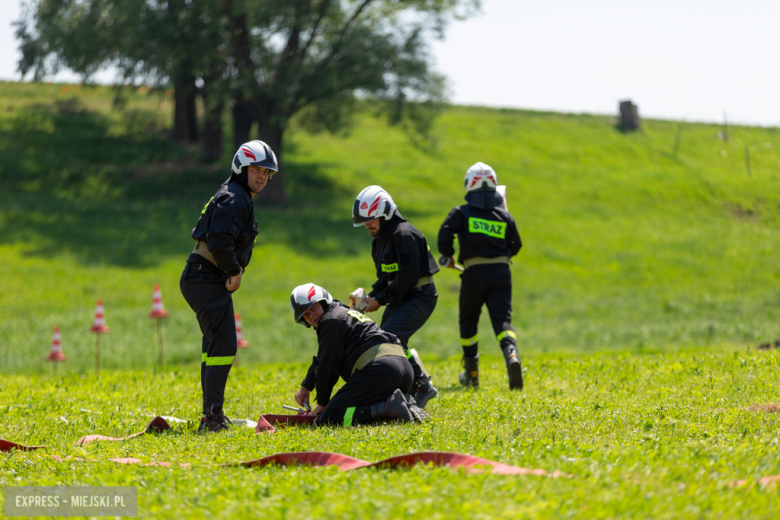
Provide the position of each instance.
(166, 44)
(321, 56)
(272, 59)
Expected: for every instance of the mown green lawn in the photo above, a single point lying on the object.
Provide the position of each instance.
(645, 283)
(662, 435)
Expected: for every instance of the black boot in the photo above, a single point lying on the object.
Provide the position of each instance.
(423, 390)
(513, 368)
(419, 414)
(214, 422)
(394, 408)
(470, 374)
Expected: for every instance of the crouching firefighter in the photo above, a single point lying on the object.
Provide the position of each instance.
(404, 270)
(371, 361)
(488, 238)
(224, 238)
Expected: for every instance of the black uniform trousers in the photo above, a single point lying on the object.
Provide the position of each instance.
(203, 286)
(406, 318)
(372, 384)
(489, 284)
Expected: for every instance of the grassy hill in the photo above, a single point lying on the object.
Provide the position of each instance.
(644, 277)
(626, 246)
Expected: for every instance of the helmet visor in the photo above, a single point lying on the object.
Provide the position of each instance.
(268, 164)
(358, 221)
(301, 310)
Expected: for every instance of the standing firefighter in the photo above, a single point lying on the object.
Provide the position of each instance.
(371, 361)
(488, 238)
(224, 238)
(404, 271)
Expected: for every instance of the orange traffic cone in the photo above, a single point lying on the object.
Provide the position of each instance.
(158, 310)
(157, 314)
(56, 354)
(98, 327)
(242, 343)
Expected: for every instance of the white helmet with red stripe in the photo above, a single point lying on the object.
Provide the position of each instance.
(480, 176)
(371, 203)
(255, 153)
(303, 297)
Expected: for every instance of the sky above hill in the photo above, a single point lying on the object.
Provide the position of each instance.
(692, 60)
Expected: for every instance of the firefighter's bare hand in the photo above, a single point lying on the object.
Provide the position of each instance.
(302, 395)
(373, 305)
(317, 410)
(451, 265)
(234, 282)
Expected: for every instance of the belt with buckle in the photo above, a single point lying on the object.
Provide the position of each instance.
(479, 260)
(377, 351)
(202, 249)
(425, 280)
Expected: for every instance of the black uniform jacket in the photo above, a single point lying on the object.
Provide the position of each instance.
(402, 256)
(487, 233)
(227, 224)
(343, 335)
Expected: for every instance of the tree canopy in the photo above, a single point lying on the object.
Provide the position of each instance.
(267, 60)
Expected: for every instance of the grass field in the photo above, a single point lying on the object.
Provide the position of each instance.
(646, 280)
(645, 436)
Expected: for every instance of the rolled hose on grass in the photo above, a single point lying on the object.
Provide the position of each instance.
(469, 463)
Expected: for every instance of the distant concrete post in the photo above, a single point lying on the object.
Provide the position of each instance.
(629, 116)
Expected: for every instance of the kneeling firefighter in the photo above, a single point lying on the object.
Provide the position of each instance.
(488, 238)
(371, 361)
(224, 237)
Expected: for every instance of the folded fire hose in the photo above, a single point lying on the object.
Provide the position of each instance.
(266, 423)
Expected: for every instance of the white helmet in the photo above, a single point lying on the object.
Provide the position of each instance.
(255, 153)
(303, 297)
(371, 203)
(480, 176)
